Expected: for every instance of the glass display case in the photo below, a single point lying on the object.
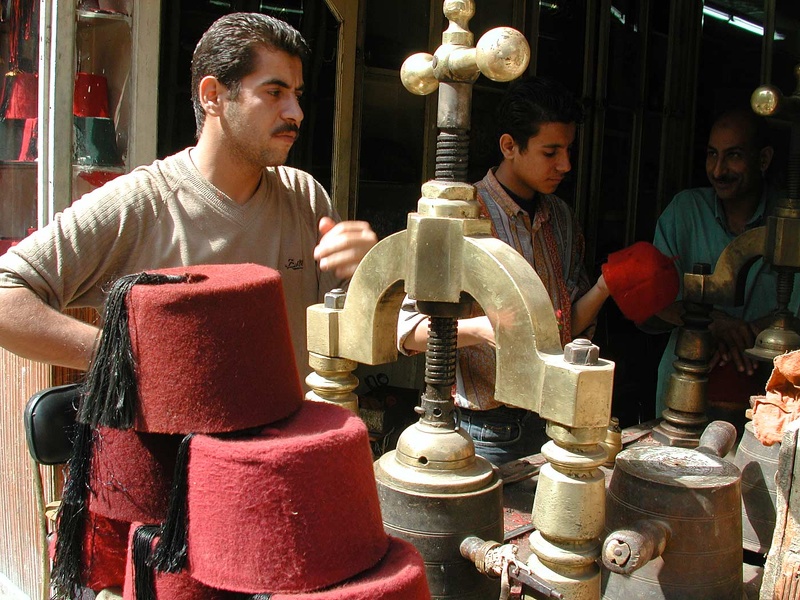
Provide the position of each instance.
(78, 107)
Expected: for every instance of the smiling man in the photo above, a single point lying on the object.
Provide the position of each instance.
(698, 225)
(225, 200)
(536, 123)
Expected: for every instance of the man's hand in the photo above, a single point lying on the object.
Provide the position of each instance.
(733, 337)
(343, 245)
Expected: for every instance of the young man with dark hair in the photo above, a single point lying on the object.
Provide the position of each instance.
(225, 200)
(536, 125)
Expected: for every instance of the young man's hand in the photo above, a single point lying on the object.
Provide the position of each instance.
(343, 245)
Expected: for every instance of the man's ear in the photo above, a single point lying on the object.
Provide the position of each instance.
(765, 158)
(212, 93)
(508, 146)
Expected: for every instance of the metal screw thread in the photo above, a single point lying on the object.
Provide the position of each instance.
(784, 286)
(452, 155)
(437, 406)
(793, 167)
(440, 359)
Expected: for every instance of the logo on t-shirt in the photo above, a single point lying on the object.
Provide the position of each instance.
(294, 264)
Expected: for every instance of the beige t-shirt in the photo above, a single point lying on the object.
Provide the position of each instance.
(167, 215)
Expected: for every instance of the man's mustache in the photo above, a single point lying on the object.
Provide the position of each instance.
(725, 179)
(286, 128)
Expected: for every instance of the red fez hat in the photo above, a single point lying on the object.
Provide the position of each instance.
(131, 474)
(642, 280)
(210, 347)
(300, 494)
(399, 576)
(90, 97)
(142, 581)
(20, 95)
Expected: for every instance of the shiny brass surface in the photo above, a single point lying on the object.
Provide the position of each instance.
(569, 514)
(726, 285)
(332, 381)
(779, 338)
(612, 443)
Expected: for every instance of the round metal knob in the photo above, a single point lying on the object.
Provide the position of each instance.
(503, 54)
(765, 100)
(417, 74)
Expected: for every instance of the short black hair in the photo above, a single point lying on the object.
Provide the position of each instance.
(531, 102)
(757, 127)
(227, 51)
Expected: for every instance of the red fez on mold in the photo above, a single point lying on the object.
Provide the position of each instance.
(214, 353)
(131, 474)
(641, 280)
(298, 502)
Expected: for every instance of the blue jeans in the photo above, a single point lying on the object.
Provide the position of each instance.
(504, 434)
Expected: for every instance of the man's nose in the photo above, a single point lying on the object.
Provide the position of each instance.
(716, 166)
(564, 165)
(293, 112)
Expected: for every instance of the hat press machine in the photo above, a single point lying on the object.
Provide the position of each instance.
(434, 491)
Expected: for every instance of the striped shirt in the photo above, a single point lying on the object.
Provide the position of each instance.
(552, 242)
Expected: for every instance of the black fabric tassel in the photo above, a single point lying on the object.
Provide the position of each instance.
(144, 585)
(110, 391)
(171, 548)
(67, 563)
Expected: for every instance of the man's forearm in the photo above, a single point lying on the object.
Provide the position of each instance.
(32, 329)
(472, 331)
(586, 309)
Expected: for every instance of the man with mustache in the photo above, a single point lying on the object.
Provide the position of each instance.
(225, 200)
(697, 226)
(536, 122)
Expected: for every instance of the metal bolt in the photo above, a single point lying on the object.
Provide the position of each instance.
(581, 351)
(335, 298)
(617, 552)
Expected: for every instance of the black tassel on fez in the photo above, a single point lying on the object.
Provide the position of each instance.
(171, 548)
(110, 392)
(143, 573)
(67, 563)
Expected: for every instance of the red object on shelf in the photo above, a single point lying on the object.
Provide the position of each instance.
(20, 95)
(29, 150)
(98, 178)
(6, 243)
(91, 96)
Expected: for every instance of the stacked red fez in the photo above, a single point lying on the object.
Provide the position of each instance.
(269, 494)
(641, 280)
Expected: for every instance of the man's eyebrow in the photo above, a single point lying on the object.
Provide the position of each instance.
(281, 83)
(730, 149)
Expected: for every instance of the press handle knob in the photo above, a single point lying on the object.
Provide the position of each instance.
(626, 550)
(718, 438)
(768, 101)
